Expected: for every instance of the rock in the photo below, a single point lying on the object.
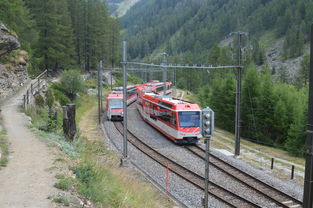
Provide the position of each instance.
(21, 61)
(8, 40)
(13, 73)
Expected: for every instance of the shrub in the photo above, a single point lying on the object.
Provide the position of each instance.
(61, 200)
(72, 83)
(50, 98)
(65, 184)
(61, 97)
(84, 173)
(39, 101)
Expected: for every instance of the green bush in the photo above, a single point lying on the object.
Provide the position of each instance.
(61, 200)
(65, 184)
(61, 97)
(84, 173)
(50, 98)
(39, 101)
(72, 83)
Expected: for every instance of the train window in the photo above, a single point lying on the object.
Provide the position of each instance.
(159, 88)
(116, 103)
(173, 121)
(165, 116)
(189, 118)
(131, 92)
(165, 104)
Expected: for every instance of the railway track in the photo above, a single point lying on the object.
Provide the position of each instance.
(224, 195)
(278, 197)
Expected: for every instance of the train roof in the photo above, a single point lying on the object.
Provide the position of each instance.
(115, 95)
(171, 103)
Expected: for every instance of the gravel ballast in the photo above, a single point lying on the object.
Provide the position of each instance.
(188, 194)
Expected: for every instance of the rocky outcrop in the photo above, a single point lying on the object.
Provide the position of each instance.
(8, 41)
(13, 66)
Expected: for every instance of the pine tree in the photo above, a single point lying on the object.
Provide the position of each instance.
(251, 91)
(15, 15)
(55, 44)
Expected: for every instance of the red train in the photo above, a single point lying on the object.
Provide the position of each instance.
(176, 119)
(114, 106)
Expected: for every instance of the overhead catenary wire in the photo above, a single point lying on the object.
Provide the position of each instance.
(182, 66)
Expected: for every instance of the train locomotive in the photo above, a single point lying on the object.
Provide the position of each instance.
(176, 119)
(114, 105)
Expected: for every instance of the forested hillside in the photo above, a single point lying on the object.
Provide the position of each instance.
(63, 34)
(194, 26)
(274, 106)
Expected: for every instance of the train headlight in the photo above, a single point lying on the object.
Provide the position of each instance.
(207, 122)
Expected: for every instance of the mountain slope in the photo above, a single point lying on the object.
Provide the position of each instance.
(194, 26)
(120, 7)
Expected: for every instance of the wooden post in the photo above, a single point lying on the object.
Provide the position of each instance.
(31, 88)
(38, 80)
(166, 180)
(69, 123)
(27, 97)
(272, 164)
(292, 172)
(24, 101)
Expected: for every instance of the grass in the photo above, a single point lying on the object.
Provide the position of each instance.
(108, 186)
(98, 176)
(260, 156)
(65, 183)
(84, 104)
(4, 149)
(61, 200)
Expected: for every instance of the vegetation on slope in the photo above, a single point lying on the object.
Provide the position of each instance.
(4, 147)
(63, 34)
(94, 171)
(193, 27)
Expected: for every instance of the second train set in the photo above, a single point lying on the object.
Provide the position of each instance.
(178, 120)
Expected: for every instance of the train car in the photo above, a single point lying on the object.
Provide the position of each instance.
(158, 88)
(178, 120)
(114, 106)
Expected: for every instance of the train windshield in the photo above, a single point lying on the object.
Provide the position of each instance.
(189, 118)
(116, 103)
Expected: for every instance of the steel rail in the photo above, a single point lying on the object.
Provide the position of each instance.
(278, 197)
(224, 195)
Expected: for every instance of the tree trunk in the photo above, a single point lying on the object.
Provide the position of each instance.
(69, 124)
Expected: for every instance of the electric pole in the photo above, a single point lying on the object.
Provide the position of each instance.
(308, 179)
(124, 103)
(238, 95)
(164, 68)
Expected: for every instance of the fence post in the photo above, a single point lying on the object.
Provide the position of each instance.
(27, 97)
(166, 179)
(38, 80)
(24, 102)
(292, 172)
(272, 164)
(31, 88)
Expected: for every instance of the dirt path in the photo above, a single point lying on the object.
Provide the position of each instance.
(28, 180)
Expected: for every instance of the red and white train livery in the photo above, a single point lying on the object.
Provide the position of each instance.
(177, 119)
(114, 106)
